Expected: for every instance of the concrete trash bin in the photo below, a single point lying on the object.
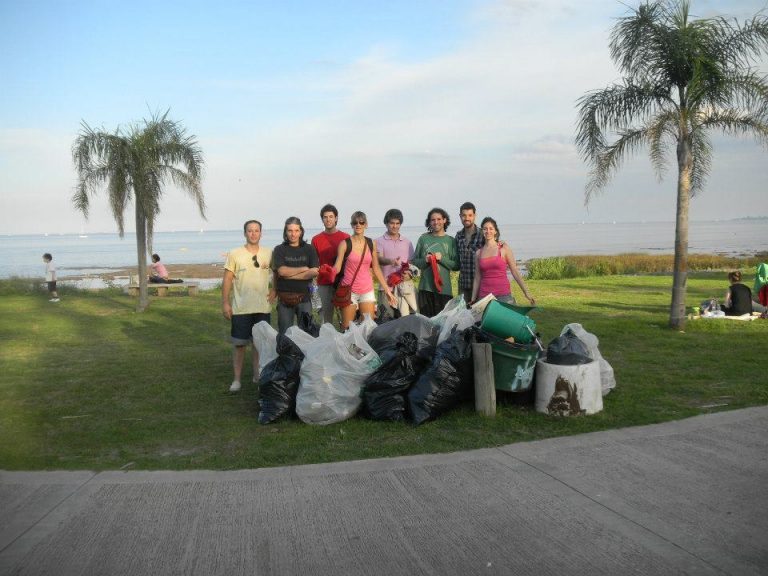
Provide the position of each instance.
(568, 390)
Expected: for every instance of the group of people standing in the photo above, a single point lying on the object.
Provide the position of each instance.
(255, 276)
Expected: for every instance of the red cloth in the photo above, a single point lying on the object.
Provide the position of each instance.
(326, 274)
(396, 277)
(435, 272)
(763, 295)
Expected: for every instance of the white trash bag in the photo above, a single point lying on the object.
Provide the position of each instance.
(332, 376)
(265, 343)
(303, 340)
(607, 379)
(455, 315)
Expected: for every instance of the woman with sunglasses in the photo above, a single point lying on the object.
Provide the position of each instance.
(358, 257)
(246, 298)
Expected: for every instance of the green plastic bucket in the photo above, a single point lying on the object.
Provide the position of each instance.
(514, 365)
(503, 320)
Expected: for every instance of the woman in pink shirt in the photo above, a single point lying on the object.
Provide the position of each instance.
(491, 264)
(360, 252)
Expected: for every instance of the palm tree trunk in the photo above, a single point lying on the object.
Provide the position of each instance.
(680, 273)
(141, 250)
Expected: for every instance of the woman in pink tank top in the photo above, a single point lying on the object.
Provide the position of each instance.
(491, 264)
(362, 260)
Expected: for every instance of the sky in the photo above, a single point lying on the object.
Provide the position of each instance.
(368, 105)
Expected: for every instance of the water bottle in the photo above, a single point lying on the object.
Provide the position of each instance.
(314, 295)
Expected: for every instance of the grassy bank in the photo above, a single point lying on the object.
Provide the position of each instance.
(560, 267)
(90, 384)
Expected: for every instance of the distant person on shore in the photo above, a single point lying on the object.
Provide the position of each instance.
(294, 264)
(395, 253)
(50, 277)
(436, 256)
(468, 241)
(246, 298)
(159, 274)
(326, 244)
(358, 259)
(491, 263)
(738, 298)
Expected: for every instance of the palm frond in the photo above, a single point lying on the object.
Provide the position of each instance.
(701, 149)
(613, 109)
(607, 161)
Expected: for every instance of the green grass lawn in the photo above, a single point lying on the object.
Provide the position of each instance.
(90, 384)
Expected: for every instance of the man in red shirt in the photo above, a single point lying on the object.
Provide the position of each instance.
(326, 244)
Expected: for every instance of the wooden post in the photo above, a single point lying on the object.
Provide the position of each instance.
(485, 386)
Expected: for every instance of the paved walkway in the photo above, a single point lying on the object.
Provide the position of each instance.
(687, 497)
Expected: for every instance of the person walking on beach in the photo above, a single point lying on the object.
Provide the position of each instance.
(50, 277)
(246, 298)
(326, 243)
(436, 256)
(468, 241)
(395, 252)
(295, 264)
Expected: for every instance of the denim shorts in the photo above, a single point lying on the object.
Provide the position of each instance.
(242, 327)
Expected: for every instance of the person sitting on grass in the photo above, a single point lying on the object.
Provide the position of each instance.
(738, 299)
(159, 274)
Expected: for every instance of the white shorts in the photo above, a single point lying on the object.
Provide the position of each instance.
(364, 297)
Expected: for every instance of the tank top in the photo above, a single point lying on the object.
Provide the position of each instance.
(364, 281)
(493, 276)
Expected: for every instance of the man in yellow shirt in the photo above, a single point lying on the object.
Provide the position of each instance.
(246, 298)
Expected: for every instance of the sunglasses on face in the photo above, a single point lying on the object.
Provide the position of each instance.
(358, 223)
(255, 261)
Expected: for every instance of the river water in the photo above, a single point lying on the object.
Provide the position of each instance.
(78, 254)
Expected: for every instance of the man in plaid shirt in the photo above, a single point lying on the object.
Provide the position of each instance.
(468, 241)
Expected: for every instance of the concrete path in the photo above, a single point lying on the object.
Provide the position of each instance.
(686, 497)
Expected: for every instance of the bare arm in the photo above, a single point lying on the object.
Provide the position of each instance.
(340, 256)
(476, 279)
(226, 290)
(510, 258)
(296, 272)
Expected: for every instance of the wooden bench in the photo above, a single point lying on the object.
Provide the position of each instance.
(162, 289)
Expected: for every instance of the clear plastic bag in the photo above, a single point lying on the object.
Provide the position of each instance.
(265, 343)
(607, 378)
(455, 316)
(332, 375)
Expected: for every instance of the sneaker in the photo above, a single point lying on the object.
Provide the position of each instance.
(235, 387)
(53, 300)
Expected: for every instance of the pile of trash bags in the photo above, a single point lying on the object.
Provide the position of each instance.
(406, 369)
(409, 369)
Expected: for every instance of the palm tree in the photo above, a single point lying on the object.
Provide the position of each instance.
(134, 164)
(682, 78)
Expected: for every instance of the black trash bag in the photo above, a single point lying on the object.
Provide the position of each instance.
(384, 338)
(279, 381)
(448, 380)
(384, 390)
(385, 314)
(307, 323)
(568, 350)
